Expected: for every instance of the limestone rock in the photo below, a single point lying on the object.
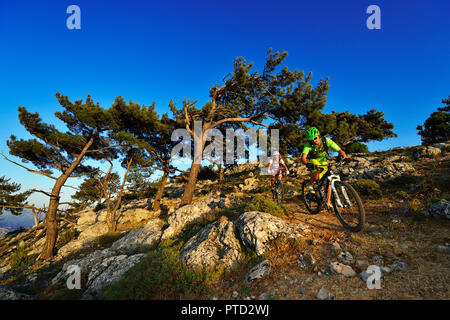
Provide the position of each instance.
(109, 271)
(214, 244)
(189, 214)
(146, 236)
(257, 229)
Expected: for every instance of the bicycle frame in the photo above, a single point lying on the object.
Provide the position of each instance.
(331, 178)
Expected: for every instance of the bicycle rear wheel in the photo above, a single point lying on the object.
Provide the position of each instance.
(279, 193)
(348, 206)
(312, 202)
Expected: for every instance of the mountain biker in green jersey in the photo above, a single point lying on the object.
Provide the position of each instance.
(316, 147)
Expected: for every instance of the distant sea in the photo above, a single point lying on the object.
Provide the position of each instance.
(10, 222)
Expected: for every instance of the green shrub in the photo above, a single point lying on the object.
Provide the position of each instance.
(161, 276)
(367, 188)
(402, 194)
(65, 237)
(107, 239)
(263, 204)
(20, 258)
(357, 147)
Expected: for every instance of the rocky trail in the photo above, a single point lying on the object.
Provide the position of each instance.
(251, 247)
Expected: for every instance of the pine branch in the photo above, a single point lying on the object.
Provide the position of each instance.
(28, 169)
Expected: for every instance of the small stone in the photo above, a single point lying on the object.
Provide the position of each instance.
(214, 298)
(263, 296)
(345, 257)
(378, 260)
(306, 260)
(398, 266)
(343, 269)
(259, 271)
(302, 290)
(362, 262)
(335, 246)
(324, 294)
(235, 294)
(385, 269)
(442, 249)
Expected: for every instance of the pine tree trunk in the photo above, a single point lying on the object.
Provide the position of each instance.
(192, 180)
(159, 194)
(51, 221)
(220, 172)
(50, 218)
(190, 185)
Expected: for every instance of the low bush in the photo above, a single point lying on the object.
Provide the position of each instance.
(367, 188)
(107, 239)
(263, 204)
(20, 258)
(161, 276)
(65, 237)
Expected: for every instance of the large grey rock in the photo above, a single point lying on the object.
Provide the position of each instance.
(190, 214)
(108, 272)
(257, 229)
(213, 245)
(146, 236)
(103, 267)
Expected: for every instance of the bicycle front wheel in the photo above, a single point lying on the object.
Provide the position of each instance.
(311, 200)
(348, 206)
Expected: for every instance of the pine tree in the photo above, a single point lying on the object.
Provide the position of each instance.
(437, 127)
(251, 98)
(62, 152)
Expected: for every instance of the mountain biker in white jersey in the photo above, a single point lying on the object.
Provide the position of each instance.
(274, 166)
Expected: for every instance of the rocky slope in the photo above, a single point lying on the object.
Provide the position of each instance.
(304, 256)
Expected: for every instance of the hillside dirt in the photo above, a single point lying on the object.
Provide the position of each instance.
(426, 277)
(393, 232)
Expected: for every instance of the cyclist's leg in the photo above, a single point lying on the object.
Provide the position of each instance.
(272, 181)
(315, 173)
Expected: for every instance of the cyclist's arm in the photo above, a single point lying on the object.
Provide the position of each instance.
(333, 146)
(305, 152)
(303, 159)
(284, 165)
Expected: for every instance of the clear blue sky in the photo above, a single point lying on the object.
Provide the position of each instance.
(157, 50)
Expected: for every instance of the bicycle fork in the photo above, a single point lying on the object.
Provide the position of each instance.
(333, 179)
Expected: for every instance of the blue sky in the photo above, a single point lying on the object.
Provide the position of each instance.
(151, 51)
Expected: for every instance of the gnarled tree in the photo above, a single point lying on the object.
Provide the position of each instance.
(62, 152)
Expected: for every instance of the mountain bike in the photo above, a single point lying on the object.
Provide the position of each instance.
(346, 202)
(277, 189)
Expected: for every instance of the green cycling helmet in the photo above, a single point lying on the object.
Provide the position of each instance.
(312, 133)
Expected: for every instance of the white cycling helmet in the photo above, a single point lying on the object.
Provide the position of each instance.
(275, 153)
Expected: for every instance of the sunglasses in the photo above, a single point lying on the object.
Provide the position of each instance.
(316, 138)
